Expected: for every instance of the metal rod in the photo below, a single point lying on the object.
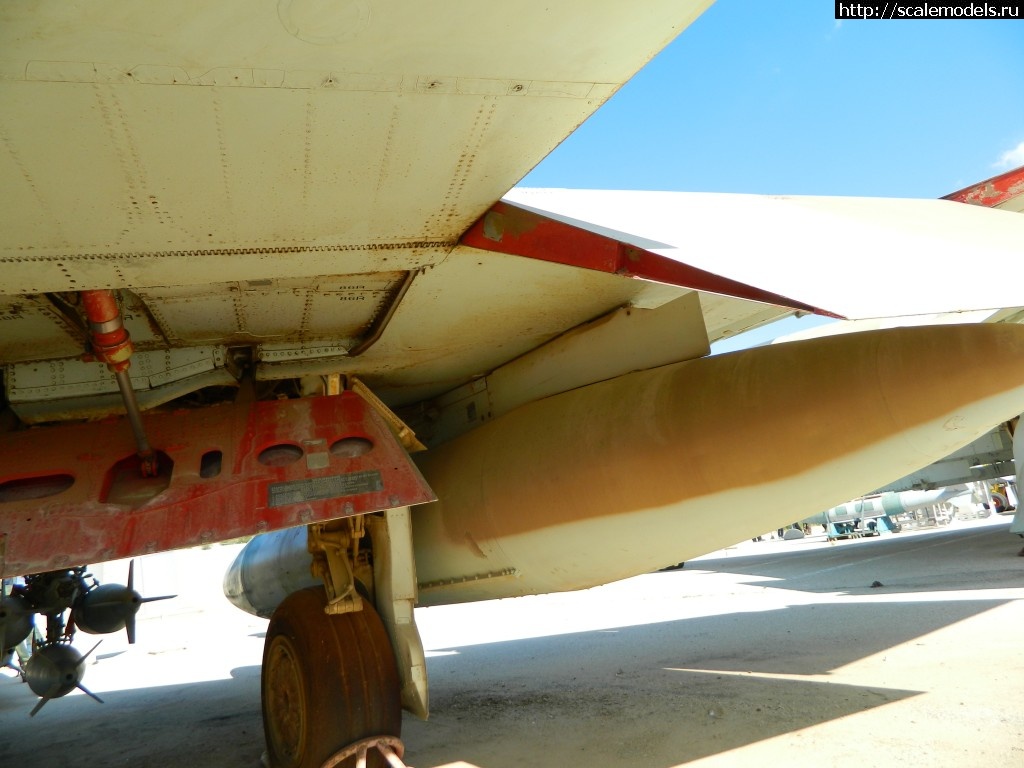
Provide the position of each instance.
(113, 346)
(131, 407)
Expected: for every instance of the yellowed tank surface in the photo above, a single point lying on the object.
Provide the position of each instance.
(656, 467)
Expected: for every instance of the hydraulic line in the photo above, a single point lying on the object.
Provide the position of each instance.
(112, 345)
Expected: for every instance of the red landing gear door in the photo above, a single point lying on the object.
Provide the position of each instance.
(71, 495)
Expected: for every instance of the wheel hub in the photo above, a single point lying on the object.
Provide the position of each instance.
(286, 700)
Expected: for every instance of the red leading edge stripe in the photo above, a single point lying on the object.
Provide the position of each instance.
(509, 229)
(992, 192)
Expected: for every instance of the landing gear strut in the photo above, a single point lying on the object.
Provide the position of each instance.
(332, 689)
(328, 681)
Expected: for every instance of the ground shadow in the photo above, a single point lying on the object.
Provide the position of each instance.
(942, 560)
(673, 692)
(660, 694)
(216, 723)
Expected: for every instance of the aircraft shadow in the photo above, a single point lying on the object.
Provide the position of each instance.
(943, 560)
(215, 723)
(671, 692)
(659, 695)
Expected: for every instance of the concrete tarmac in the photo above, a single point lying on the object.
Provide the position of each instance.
(762, 654)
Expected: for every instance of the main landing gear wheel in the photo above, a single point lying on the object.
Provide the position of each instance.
(328, 681)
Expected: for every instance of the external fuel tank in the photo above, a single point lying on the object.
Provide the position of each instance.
(648, 469)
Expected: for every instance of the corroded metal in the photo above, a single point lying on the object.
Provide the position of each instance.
(221, 467)
(334, 547)
(329, 681)
(380, 322)
(391, 747)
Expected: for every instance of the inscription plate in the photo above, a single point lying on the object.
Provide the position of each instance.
(320, 488)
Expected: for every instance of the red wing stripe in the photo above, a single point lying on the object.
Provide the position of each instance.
(992, 192)
(509, 229)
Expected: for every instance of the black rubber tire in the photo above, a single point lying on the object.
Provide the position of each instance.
(327, 682)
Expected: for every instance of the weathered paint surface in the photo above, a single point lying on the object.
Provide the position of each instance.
(628, 339)
(1003, 191)
(654, 467)
(226, 471)
(508, 228)
(854, 256)
(149, 145)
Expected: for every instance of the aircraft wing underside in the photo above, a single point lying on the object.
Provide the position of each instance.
(280, 190)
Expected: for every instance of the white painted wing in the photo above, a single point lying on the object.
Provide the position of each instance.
(857, 257)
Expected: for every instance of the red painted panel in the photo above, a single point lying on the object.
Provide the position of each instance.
(110, 512)
(992, 192)
(507, 228)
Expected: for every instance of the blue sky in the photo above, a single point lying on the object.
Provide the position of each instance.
(780, 98)
(771, 97)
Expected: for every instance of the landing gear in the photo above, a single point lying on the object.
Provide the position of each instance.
(328, 681)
